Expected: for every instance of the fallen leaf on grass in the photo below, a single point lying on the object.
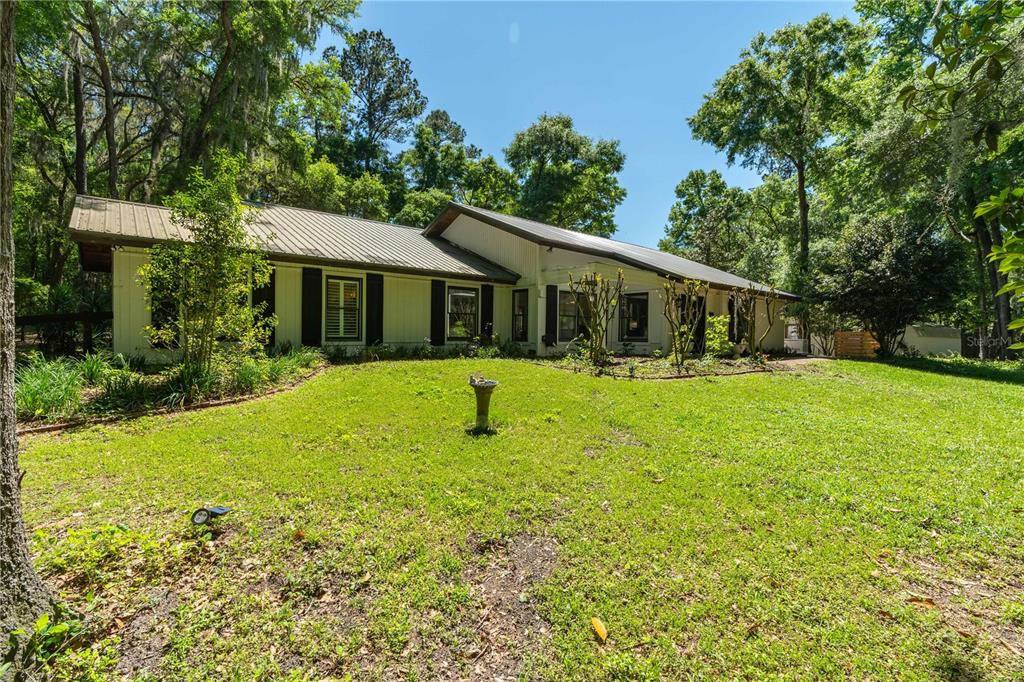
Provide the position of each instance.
(921, 601)
(599, 629)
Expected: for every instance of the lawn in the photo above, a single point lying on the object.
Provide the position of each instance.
(846, 520)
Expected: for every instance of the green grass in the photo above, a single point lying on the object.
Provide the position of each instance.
(782, 525)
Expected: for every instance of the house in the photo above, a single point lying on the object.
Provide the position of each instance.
(343, 280)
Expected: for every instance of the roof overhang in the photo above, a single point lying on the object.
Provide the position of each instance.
(437, 227)
(93, 243)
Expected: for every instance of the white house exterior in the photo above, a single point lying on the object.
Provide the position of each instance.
(341, 280)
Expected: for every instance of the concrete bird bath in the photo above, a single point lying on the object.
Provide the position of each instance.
(483, 389)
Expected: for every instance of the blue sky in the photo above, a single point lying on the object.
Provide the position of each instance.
(628, 71)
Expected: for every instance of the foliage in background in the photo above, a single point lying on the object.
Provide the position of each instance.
(887, 274)
(774, 109)
(206, 281)
(567, 179)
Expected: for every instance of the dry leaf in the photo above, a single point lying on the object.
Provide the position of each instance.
(599, 629)
(921, 601)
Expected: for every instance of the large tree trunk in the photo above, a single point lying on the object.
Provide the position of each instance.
(194, 136)
(22, 594)
(1001, 304)
(81, 140)
(109, 110)
(803, 260)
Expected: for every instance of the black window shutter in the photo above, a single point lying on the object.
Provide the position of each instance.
(374, 309)
(437, 325)
(487, 312)
(312, 306)
(700, 331)
(551, 315)
(265, 294)
(732, 319)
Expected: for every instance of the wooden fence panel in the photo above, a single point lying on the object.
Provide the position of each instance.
(855, 345)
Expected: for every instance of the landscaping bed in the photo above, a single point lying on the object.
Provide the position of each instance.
(654, 367)
(858, 521)
(103, 385)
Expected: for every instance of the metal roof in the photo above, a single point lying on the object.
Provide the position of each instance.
(295, 234)
(660, 262)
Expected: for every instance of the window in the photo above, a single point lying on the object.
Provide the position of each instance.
(344, 309)
(520, 315)
(463, 305)
(633, 318)
(572, 321)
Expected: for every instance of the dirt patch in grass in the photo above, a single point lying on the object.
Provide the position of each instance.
(972, 606)
(146, 634)
(508, 628)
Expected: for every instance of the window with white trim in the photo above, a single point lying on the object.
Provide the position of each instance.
(344, 309)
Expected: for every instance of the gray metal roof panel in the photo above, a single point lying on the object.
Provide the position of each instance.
(631, 254)
(298, 233)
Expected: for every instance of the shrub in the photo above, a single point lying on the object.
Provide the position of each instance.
(46, 389)
(336, 353)
(716, 337)
(93, 366)
(246, 375)
(136, 362)
(123, 390)
(188, 383)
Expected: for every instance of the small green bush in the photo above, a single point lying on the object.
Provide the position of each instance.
(93, 366)
(123, 390)
(716, 337)
(188, 383)
(47, 389)
(136, 362)
(246, 375)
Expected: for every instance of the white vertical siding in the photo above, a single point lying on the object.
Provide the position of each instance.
(288, 304)
(406, 310)
(512, 252)
(131, 310)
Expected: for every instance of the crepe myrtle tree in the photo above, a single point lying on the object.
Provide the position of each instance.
(682, 314)
(199, 289)
(745, 302)
(596, 299)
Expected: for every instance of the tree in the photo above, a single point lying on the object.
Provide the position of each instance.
(707, 221)
(438, 158)
(421, 207)
(386, 96)
(23, 596)
(887, 274)
(597, 297)
(489, 185)
(684, 304)
(567, 179)
(776, 107)
(202, 286)
(971, 84)
(323, 188)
